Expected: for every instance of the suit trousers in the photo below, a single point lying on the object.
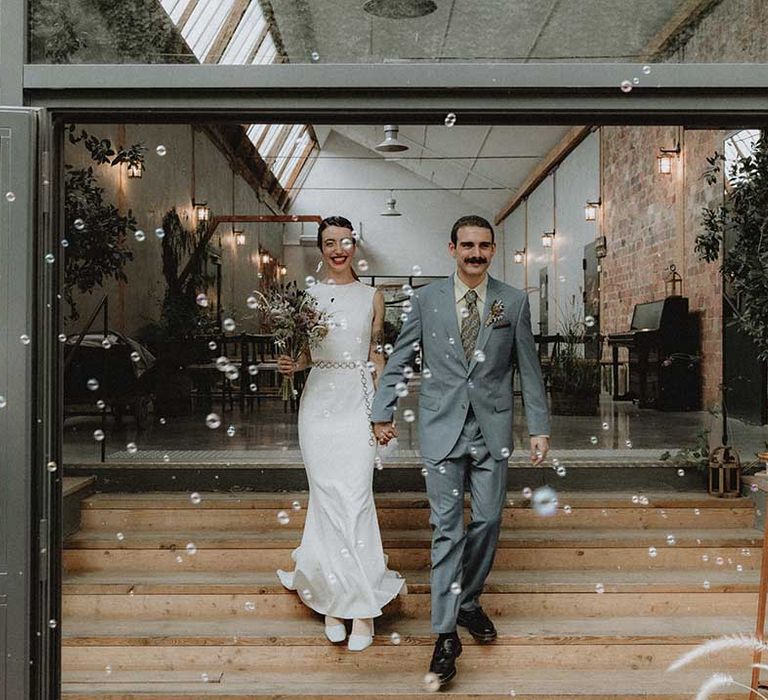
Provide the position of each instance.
(462, 557)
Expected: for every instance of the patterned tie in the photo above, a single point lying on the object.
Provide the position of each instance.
(470, 325)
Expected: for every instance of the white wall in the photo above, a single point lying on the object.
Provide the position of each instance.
(576, 181)
(391, 245)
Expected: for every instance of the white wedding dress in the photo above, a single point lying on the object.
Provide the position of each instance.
(340, 566)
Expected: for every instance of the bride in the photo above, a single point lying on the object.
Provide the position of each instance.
(340, 566)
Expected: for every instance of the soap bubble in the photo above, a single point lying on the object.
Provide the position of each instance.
(626, 86)
(479, 356)
(139, 235)
(599, 588)
(52, 466)
(159, 233)
(450, 119)
(593, 439)
(560, 470)
(426, 373)
(647, 70)
(131, 448)
(283, 518)
(409, 416)
(431, 682)
(395, 638)
(310, 281)
(589, 321)
(416, 270)
(161, 150)
(79, 224)
(315, 56)
(213, 421)
(606, 426)
(101, 404)
(10, 196)
(135, 357)
(50, 258)
(527, 492)
(228, 324)
(212, 345)
(362, 265)
(191, 548)
(544, 501)
(231, 430)
(195, 497)
(252, 302)
(202, 300)
(296, 505)
(120, 536)
(92, 384)
(652, 552)
(505, 452)
(250, 606)
(24, 339)
(401, 389)
(681, 472)
(455, 588)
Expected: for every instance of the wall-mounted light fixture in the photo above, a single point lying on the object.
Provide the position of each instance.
(391, 204)
(135, 170)
(520, 256)
(666, 158)
(239, 237)
(283, 269)
(265, 257)
(548, 238)
(202, 211)
(590, 210)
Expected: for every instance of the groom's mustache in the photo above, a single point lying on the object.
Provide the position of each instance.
(476, 261)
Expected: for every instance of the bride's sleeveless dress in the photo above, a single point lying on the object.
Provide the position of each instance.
(340, 566)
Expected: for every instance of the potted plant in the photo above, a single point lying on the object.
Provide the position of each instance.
(574, 379)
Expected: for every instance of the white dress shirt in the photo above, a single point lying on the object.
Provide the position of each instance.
(460, 289)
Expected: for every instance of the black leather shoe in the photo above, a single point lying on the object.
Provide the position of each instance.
(447, 650)
(478, 624)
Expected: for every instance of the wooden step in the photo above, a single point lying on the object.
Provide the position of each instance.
(523, 651)
(269, 519)
(245, 631)
(409, 558)
(246, 501)
(516, 539)
(473, 681)
(75, 489)
(218, 595)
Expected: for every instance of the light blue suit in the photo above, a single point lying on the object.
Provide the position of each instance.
(465, 426)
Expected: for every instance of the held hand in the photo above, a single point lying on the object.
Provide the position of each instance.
(539, 449)
(286, 365)
(384, 432)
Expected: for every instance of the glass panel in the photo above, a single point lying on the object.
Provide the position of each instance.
(335, 31)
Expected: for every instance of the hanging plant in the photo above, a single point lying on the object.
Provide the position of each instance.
(743, 220)
(95, 230)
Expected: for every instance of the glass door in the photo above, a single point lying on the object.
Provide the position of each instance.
(30, 484)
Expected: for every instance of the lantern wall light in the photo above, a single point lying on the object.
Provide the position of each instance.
(666, 158)
(239, 237)
(202, 211)
(547, 238)
(520, 256)
(590, 210)
(135, 170)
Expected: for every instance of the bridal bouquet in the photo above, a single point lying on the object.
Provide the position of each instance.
(291, 315)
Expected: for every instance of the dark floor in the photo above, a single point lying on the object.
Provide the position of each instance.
(620, 427)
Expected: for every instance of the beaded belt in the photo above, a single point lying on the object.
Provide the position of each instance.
(323, 364)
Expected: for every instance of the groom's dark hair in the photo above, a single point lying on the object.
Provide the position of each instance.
(471, 220)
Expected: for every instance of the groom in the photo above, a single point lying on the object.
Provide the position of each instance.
(471, 330)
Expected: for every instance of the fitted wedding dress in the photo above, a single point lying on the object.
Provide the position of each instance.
(340, 566)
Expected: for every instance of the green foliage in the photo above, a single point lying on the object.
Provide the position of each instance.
(182, 317)
(96, 250)
(571, 372)
(104, 31)
(743, 220)
(696, 457)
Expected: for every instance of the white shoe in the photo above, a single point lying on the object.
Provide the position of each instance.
(335, 632)
(358, 642)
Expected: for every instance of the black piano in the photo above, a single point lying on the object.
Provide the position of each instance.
(664, 349)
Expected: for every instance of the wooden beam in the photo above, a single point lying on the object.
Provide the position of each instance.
(227, 31)
(556, 156)
(265, 219)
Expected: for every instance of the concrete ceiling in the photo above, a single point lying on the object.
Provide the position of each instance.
(483, 164)
(474, 30)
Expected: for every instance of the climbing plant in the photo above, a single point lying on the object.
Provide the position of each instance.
(741, 221)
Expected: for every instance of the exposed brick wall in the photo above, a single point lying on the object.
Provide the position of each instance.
(650, 220)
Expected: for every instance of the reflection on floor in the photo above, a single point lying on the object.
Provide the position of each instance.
(621, 427)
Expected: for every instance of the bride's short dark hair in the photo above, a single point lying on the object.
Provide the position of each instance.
(339, 221)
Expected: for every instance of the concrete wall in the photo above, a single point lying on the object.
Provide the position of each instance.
(192, 167)
(391, 245)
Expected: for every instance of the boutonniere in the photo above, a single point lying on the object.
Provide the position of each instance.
(496, 313)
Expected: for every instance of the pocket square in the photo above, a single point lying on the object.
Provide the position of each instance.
(502, 324)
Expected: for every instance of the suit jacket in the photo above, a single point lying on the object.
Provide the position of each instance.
(504, 338)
